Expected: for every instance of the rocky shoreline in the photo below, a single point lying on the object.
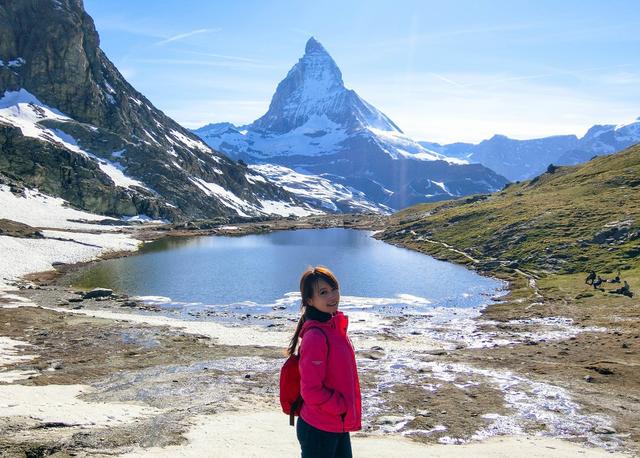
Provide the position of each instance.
(127, 352)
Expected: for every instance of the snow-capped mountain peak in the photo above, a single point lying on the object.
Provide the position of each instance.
(317, 126)
(314, 87)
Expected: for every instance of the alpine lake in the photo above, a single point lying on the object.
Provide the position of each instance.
(257, 273)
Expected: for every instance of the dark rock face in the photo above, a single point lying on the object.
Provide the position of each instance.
(55, 50)
(59, 172)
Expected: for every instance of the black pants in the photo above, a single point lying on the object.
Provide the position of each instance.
(316, 443)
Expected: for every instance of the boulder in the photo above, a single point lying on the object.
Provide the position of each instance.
(97, 292)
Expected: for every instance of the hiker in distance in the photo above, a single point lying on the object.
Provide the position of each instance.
(590, 278)
(329, 384)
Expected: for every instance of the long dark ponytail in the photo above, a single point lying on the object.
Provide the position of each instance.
(308, 284)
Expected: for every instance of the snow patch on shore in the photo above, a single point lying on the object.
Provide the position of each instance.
(60, 404)
(10, 351)
(21, 256)
(40, 210)
(14, 376)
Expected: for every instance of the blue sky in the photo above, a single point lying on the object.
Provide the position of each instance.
(442, 71)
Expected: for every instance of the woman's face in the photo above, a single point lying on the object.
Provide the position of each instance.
(325, 298)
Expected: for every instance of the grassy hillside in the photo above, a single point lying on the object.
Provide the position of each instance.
(571, 219)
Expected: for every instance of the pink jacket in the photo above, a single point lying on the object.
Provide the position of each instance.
(329, 381)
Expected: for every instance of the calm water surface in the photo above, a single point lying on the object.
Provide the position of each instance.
(263, 269)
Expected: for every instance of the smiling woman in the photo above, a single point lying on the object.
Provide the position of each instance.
(329, 384)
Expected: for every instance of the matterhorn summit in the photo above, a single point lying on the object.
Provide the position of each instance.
(314, 87)
(316, 126)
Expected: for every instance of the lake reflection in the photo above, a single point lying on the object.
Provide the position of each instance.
(263, 268)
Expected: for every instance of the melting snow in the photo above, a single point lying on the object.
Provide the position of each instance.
(398, 145)
(144, 219)
(441, 185)
(60, 403)
(10, 351)
(190, 143)
(274, 207)
(112, 169)
(40, 210)
(255, 178)
(14, 63)
(21, 255)
(226, 197)
(269, 207)
(153, 139)
(23, 110)
(316, 188)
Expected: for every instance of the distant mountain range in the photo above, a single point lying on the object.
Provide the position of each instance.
(524, 159)
(316, 126)
(73, 127)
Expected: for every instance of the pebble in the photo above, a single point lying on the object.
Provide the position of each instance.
(589, 379)
(436, 352)
(389, 420)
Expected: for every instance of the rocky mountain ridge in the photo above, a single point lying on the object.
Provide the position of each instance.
(524, 159)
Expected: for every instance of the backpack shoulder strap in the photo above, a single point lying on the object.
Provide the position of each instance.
(326, 338)
(298, 402)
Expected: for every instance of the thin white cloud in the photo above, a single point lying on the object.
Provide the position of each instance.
(226, 57)
(205, 63)
(447, 80)
(182, 36)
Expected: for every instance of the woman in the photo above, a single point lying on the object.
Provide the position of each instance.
(329, 382)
